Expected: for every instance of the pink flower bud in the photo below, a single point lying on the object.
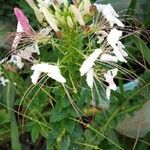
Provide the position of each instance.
(22, 19)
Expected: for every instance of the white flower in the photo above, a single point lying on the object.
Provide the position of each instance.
(17, 61)
(90, 78)
(3, 80)
(110, 14)
(108, 58)
(109, 77)
(77, 14)
(113, 39)
(89, 62)
(51, 70)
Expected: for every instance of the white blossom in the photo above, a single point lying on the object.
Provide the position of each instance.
(113, 39)
(109, 77)
(51, 70)
(89, 62)
(110, 14)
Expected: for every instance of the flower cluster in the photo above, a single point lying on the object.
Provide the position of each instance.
(98, 27)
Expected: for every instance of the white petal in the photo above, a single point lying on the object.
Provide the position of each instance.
(108, 58)
(50, 18)
(43, 67)
(89, 62)
(113, 37)
(19, 27)
(56, 75)
(77, 14)
(119, 54)
(37, 50)
(108, 91)
(52, 70)
(90, 78)
(87, 5)
(121, 47)
(35, 76)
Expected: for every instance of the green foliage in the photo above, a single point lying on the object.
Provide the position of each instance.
(45, 113)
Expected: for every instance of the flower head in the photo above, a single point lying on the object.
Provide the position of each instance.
(51, 70)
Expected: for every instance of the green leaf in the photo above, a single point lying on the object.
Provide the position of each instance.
(35, 133)
(65, 143)
(141, 45)
(10, 95)
(131, 9)
(69, 125)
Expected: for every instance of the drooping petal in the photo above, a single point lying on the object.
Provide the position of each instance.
(121, 48)
(90, 78)
(51, 70)
(119, 54)
(35, 76)
(89, 62)
(56, 75)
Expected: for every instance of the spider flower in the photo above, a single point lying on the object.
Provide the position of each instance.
(110, 14)
(51, 70)
(89, 62)
(23, 26)
(113, 39)
(109, 77)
